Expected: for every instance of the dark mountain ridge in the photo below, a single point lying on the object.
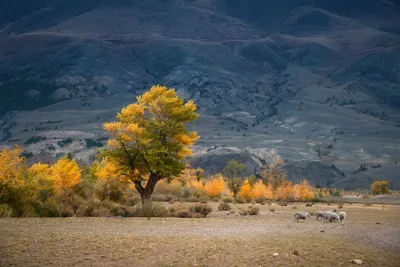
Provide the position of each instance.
(316, 82)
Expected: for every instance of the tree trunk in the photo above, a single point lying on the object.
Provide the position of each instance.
(147, 191)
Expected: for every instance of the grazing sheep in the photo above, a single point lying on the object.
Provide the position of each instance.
(319, 214)
(325, 211)
(331, 217)
(301, 216)
(342, 216)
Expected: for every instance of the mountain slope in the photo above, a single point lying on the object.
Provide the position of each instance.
(313, 82)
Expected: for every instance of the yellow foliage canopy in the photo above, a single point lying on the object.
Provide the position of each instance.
(11, 167)
(40, 176)
(215, 186)
(259, 191)
(303, 192)
(150, 139)
(380, 187)
(284, 191)
(66, 174)
(190, 175)
(245, 190)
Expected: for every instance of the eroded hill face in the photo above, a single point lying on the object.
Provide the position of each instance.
(315, 82)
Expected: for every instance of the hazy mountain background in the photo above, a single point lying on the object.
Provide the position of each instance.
(316, 82)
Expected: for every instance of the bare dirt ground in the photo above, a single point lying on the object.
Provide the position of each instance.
(221, 240)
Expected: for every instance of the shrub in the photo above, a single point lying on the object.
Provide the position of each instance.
(193, 199)
(183, 214)
(272, 209)
(114, 190)
(253, 210)
(243, 212)
(202, 209)
(27, 154)
(309, 204)
(173, 188)
(224, 206)
(34, 140)
(65, 142)
(259, 192)
(302, 191)
(149, 209)
(294, 207)
(5, 211)
(240, 200)
(283, 204)
(245, 191)
(380, 187)
(204, 199)
(284, 191)
(161, 198)
(366, 196)
(227, 199)
(340, 205)
(93, 143)
(214, 186)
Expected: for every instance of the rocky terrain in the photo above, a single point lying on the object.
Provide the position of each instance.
(315, 82)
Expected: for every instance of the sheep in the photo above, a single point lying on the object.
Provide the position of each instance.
(319, 214)
(342, 216)
(301, 216)
(325, 211)
(331, 216)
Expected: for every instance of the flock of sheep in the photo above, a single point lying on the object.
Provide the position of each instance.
(327, 216)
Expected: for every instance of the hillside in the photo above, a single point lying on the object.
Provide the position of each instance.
(314, 82)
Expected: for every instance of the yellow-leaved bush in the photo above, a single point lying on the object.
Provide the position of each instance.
(214, 186)
(65, 173)
(11, 168)
(245, 190)
(284, 191)
(380, 187)
(259, 191)
(303, 191)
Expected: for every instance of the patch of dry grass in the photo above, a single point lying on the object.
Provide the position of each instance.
(221, 240)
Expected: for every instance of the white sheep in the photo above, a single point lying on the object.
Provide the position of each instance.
(331, 216)
(301, 216)
(342, 216)
(319, 214)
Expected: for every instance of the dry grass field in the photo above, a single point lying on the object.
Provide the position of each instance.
(370, 233)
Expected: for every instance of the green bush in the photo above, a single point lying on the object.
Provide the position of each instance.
(6, 211)
(65, 142)
(34, 140)
(93, 143)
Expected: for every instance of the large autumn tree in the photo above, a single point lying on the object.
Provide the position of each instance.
(150, 142)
